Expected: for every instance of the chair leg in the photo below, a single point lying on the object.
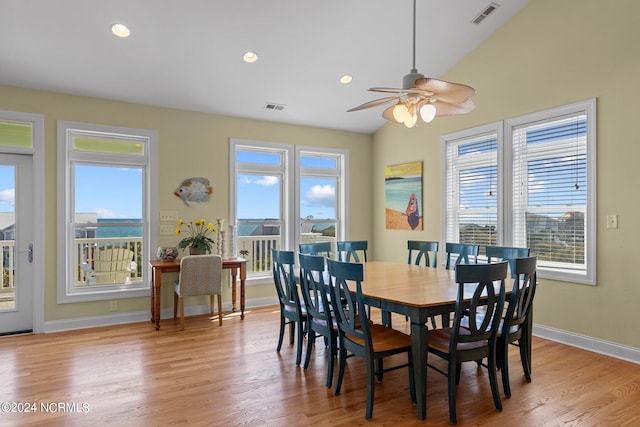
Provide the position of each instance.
(525, 355)
(412, 383)
(493, 380)
(332, 355)
(370, 387)
(342, 359)
(292, 332)
(311, 340)
(182, 314)
(299, 346)
(502, 362)
(220, 309)
(281, 336)
(379, 372)
(175, 305)
(453, 378)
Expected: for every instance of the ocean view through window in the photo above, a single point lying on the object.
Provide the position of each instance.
(105, 223)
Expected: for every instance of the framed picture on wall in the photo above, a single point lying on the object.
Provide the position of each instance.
(403, 196)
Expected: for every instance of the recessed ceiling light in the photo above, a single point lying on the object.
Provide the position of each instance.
(120, 30)
(346, 79)
(250, 57)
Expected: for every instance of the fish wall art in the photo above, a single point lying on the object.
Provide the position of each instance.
(194, 190)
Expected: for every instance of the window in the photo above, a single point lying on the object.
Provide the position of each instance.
(106, 179)
(534, 187)
(283, 195)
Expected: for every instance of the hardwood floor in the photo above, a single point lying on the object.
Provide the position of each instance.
(132, 375)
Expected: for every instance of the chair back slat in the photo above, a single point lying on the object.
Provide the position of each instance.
(316, 248)
(463, 252)
(484, 310)
(314, 290)
(423, 248)
(506, 253)
(284, 279)
(520, 301)
(351, 306)
(348, 250)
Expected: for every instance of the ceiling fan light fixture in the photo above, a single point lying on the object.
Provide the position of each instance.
(419, 94)
(427, 112)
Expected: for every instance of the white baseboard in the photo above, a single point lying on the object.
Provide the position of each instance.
(584, 342)
(141, 316)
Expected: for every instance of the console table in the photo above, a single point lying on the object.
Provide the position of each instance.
(159, 267)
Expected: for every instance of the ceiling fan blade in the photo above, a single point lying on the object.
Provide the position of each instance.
(446, 91)
(374, 103)
(401, 91)
(448, 109)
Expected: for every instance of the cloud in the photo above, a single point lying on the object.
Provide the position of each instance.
(321, 195)
(105, 213)
(8, 196)
(266, 181)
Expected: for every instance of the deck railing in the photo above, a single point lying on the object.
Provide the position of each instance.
(255, 249)
(8, 259)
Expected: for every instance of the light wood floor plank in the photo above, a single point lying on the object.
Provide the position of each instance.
(132, 375)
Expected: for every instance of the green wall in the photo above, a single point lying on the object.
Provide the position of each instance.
(551, 54)
(189, 144)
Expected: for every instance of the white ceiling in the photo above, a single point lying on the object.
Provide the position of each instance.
(187, 54)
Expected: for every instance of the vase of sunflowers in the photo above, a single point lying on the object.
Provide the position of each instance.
(199, 236)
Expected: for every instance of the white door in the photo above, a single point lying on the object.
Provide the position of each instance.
(16, 242)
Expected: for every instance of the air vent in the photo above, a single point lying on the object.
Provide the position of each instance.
(272, 106)
(485, 12)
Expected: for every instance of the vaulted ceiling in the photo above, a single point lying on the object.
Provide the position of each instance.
(187, 54)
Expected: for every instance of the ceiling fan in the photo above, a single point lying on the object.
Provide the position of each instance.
(419, 94)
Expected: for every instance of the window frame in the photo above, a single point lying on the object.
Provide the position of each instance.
(505, 164)
(67, 292)
(291, 172)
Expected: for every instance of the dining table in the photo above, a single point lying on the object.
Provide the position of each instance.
(417, 292)
(159, 267)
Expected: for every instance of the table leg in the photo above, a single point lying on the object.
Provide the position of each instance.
(242, 296)
(153, 295)
(157, 286)
(234, 284)
(419, 349)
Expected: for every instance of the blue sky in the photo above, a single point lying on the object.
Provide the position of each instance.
(109, 191)
(7, 189)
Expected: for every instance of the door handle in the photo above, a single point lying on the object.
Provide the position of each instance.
(30, 253)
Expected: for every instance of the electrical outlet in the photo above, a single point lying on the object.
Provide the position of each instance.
(113, 305)
(168, 215)
(612, 221)
(167, 230)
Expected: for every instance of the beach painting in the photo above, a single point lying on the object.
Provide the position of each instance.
(403, 196)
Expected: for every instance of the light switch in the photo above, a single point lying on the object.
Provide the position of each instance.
(167, 230)
(168, 215)
(612, 221)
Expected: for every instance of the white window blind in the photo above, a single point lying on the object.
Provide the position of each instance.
(472, 190)
(550, 190)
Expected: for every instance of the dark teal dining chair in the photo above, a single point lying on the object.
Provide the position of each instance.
(348, 250)
(320, 318)
(423, 249)
(476, 339)
(517, 322)
(316, 248)
(292, 311)
(358, 335)
(464, 253)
